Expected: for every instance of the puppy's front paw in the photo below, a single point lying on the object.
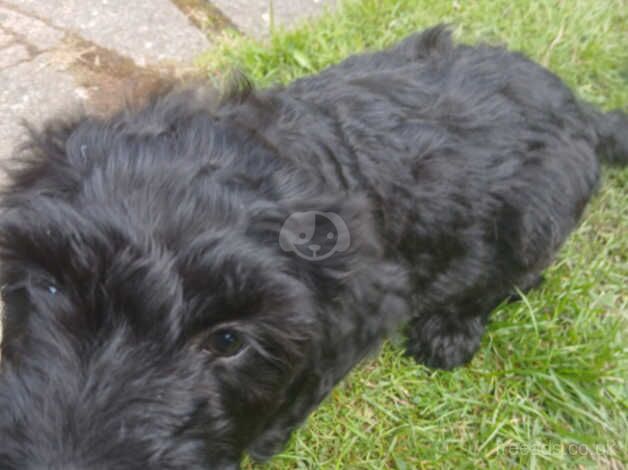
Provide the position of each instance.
(270, 443)
(441, 345)
(445, 352)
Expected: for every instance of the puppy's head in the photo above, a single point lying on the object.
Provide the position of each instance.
(151, 318)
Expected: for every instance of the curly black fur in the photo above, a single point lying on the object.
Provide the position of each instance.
(152, 319)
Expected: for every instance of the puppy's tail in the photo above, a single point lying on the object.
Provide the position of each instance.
(612, 132)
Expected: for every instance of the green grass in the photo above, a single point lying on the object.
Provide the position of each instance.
(548, 387)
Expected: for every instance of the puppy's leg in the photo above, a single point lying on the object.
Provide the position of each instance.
(526, 284)
(445, 340)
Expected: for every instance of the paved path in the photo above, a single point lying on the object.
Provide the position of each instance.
(254, 17)
(57, 55)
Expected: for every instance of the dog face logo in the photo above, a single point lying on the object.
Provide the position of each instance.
(314, 235)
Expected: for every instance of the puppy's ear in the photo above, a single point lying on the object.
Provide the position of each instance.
(327, 238)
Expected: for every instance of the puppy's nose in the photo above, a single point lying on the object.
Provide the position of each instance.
(314, 247)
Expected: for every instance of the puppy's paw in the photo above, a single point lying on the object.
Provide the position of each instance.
(270, 443)
(443, 346)
(528, 283)
(444, 352)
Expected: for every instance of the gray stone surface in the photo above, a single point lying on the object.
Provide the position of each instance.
(253, 17)
(5, 39)
(29, 29)
(32, 91)
(46, 47)
(148, 31)
(32, 82)
(13, 55)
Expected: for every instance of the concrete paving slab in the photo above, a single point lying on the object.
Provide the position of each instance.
(52, 56)
(254, 17)
(148, 31)
(5, 39)
(31, 30)
(13, 55)
(32, 91)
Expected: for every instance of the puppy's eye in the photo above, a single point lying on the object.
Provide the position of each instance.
(224, 342)
(52, 290)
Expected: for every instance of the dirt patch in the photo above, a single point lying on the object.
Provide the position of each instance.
(110, 80)
(204, 15)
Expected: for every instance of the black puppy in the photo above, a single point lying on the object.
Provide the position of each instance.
(187, 281)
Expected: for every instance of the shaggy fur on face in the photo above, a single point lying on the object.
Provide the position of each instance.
(185, 282)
